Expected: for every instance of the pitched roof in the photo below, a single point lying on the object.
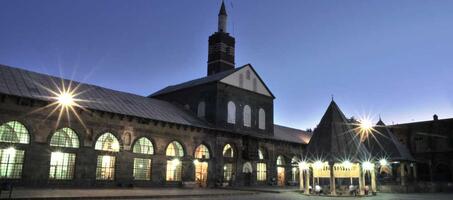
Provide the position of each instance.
(335, 138)
(288, 134)
(196, 82)
(385, 144)
(23, 83)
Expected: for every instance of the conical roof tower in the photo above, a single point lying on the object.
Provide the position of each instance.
(335, 139)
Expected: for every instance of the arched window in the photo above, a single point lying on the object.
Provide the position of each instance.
(65, 137)
(261, 171)
(142, 165)
(105, 168)
(295, 169)
(280, 161)
(62, 163)
(231, 113)
(228, 151)
(261, 119)
(14, 132)
(107, 142)
(174, 166)
(12, 159)
(241, 80)
(201, 109)
(247, 116)
(201, 152)
(247, 74)
(143, 146)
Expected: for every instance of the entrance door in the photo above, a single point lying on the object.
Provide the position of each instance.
(201, 173)
(280, 176)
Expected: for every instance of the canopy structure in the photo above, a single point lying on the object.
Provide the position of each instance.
(335, 152)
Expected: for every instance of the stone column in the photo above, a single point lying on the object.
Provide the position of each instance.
(307, 181)
(301, 178)
(373, 181)
(403, 173)
(361, 181)
(333, 190)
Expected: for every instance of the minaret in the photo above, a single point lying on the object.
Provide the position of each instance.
(221, 46)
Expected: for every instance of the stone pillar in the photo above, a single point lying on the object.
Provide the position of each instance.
(361, 181)
(307, 181)
(333, 190)
(373, 181)
(301, 178)
(403, 173)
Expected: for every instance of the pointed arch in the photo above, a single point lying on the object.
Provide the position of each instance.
(14, 132)
(65, 137)
(143, 146)
(201, 110)
(107, 142)
(174, 149)
(202, 152)
(280, 160)
(228, 151)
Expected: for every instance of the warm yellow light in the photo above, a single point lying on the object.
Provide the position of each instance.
(175, 163)
(347, 164)
(367, 165)
(318, 164)
(366, 125)
(383, 162)
(303, 165)
(195, 161)
(66, 99)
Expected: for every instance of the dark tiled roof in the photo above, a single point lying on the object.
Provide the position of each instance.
(385, 144)
(196, 82)
(23, 83)
(335, 138)
(288, 134)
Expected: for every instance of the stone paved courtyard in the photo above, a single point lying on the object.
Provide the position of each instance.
(293, 195)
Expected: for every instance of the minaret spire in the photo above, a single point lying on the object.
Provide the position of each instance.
(222, 27)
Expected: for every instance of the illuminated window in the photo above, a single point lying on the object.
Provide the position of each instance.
(143, 146)
(11, 162)
(62, 166)
(295, 169)
(107, 142)
(247, 116)
(14, 132)
(261, 171)
(174, 168)
(105, 168)
(142, 169)
(261, 119)
(174, 165)
(201, 109)
(65, 137)
(231, 113)
(227, 171)
(228, 151)
(174, 149)
(202, 152)
(260, 154)
(280, 160)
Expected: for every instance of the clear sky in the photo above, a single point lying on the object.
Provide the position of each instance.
(387, 57)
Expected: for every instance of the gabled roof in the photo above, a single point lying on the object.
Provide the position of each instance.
(288, 134)
(23, 83)
(335, 138)
(384, 144)
(205, 80)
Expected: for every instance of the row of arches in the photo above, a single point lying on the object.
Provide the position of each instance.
(247, 116)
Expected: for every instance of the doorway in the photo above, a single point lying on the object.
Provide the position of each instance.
(280, 176)
(201, 174)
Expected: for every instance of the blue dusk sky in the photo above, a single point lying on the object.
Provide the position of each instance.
(387, 57)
